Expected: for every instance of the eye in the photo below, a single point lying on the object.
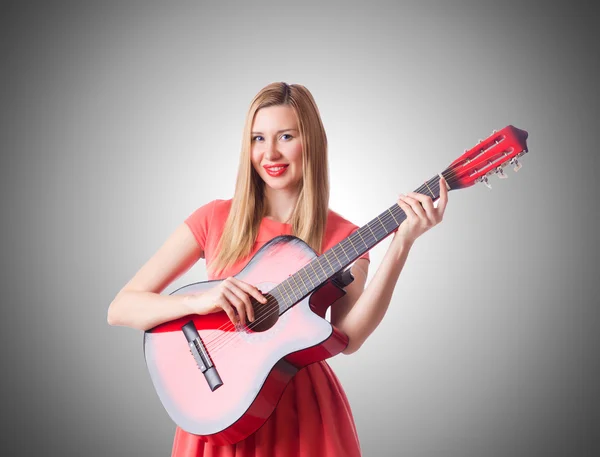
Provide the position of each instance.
(286, 134)
(256, 138)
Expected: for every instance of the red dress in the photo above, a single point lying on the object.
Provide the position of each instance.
(313, 417)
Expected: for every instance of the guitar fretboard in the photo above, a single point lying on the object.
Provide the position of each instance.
(334, 260)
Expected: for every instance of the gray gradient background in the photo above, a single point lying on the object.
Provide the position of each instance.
(119, 119)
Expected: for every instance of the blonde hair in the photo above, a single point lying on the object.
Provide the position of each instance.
(248, 206)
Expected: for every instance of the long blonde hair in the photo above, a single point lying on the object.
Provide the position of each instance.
(248, 207)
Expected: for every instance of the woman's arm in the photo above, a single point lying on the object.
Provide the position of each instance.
(139, 303)
(360, 311)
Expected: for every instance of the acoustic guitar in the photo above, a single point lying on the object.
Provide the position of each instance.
(221, 381)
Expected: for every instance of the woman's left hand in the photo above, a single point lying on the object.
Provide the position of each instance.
(421, 215)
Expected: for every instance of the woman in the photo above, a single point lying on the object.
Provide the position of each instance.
(282, 188)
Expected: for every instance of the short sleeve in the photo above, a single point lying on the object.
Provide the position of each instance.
(199, 223)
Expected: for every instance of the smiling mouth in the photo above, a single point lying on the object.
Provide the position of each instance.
(276, 170)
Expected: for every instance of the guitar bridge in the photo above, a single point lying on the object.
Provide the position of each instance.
(203, 360)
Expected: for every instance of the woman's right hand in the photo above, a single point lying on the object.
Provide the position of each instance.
(230, 295)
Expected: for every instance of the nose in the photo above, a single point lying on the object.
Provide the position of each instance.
(271, 151)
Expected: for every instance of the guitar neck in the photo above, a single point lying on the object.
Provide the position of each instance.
(337, 258)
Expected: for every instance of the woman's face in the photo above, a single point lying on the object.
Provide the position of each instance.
(276, 150)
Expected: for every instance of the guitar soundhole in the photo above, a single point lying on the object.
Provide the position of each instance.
(265, 315)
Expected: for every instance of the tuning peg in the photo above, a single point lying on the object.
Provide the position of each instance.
(500, 173)
(484, 180)
(514, 161)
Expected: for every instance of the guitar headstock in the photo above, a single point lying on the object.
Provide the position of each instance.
(488, 157)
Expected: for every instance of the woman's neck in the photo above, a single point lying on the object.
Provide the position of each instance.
(280, 204)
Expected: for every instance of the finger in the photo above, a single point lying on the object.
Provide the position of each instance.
(416, 207)
(427, 204)
(410, 214)
(250, 289)
(443, 201)
(245, 298)
(225, 306)
(238, 304)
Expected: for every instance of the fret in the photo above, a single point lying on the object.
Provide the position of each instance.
(341, 245)
(322, 269)
(363, 240)
(288, 296)
(354, 247)
(282, 301)
(313, 269)
(434, 185)
(393, 222)
(300, 276)
(384, 227)
(309, 276)
(432, 194)
(337, 258)
(297, 290)
(301, 288)
(401, 214)
(365, 232)
(368, 225)
(332, 269)
(297, 286)
(287, 282)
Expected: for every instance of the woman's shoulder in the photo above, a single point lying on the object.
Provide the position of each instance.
(335, 221)
(215, 207)
(208, 213)
(221, 207)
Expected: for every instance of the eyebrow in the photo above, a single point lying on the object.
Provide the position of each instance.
(278, 131)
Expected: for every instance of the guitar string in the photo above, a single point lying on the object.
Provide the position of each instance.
(272, 306)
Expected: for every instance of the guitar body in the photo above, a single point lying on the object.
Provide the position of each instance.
(254, 366)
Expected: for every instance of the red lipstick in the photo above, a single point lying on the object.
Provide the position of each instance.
(276, 169)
